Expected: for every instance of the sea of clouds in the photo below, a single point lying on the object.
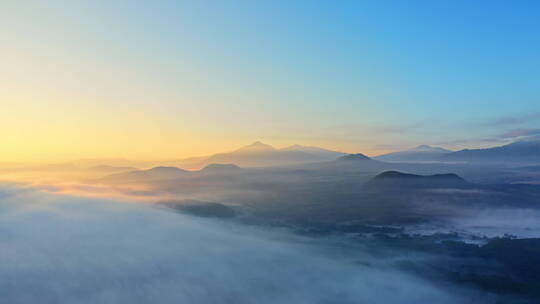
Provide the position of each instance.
(65, 249)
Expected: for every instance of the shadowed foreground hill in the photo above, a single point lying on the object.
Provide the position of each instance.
(394, 180)
(353, 157)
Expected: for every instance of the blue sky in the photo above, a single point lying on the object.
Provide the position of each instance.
(192, 77)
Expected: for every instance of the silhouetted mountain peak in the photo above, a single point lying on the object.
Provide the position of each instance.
(163, 169)
(256, 147)
(428, 148)
(221, 168)
(394, 174)
(258, 144)
(353, 157)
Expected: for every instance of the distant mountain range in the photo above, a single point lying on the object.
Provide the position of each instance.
(419, 154)
(171, 173)
(154, 174)
(345, 161)
(221, 169)
(527, 151)
(517, 152)
(320, 152)
(259, 154)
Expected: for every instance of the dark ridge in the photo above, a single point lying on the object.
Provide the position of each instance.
(357, 156)
(397, 174)
(399, 180)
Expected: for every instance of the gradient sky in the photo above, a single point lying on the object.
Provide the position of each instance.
(171, 79)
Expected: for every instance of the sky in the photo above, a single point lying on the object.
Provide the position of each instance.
(172, 79)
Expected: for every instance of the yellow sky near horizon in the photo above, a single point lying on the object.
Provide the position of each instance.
(55, 111)
(45, 132)
(147, 81)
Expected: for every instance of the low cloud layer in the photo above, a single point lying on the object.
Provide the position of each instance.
(61, 249)
(522, 223)
(514, 120)
(523, 132)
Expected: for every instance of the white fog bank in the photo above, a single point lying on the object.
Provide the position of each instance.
(60, 249)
